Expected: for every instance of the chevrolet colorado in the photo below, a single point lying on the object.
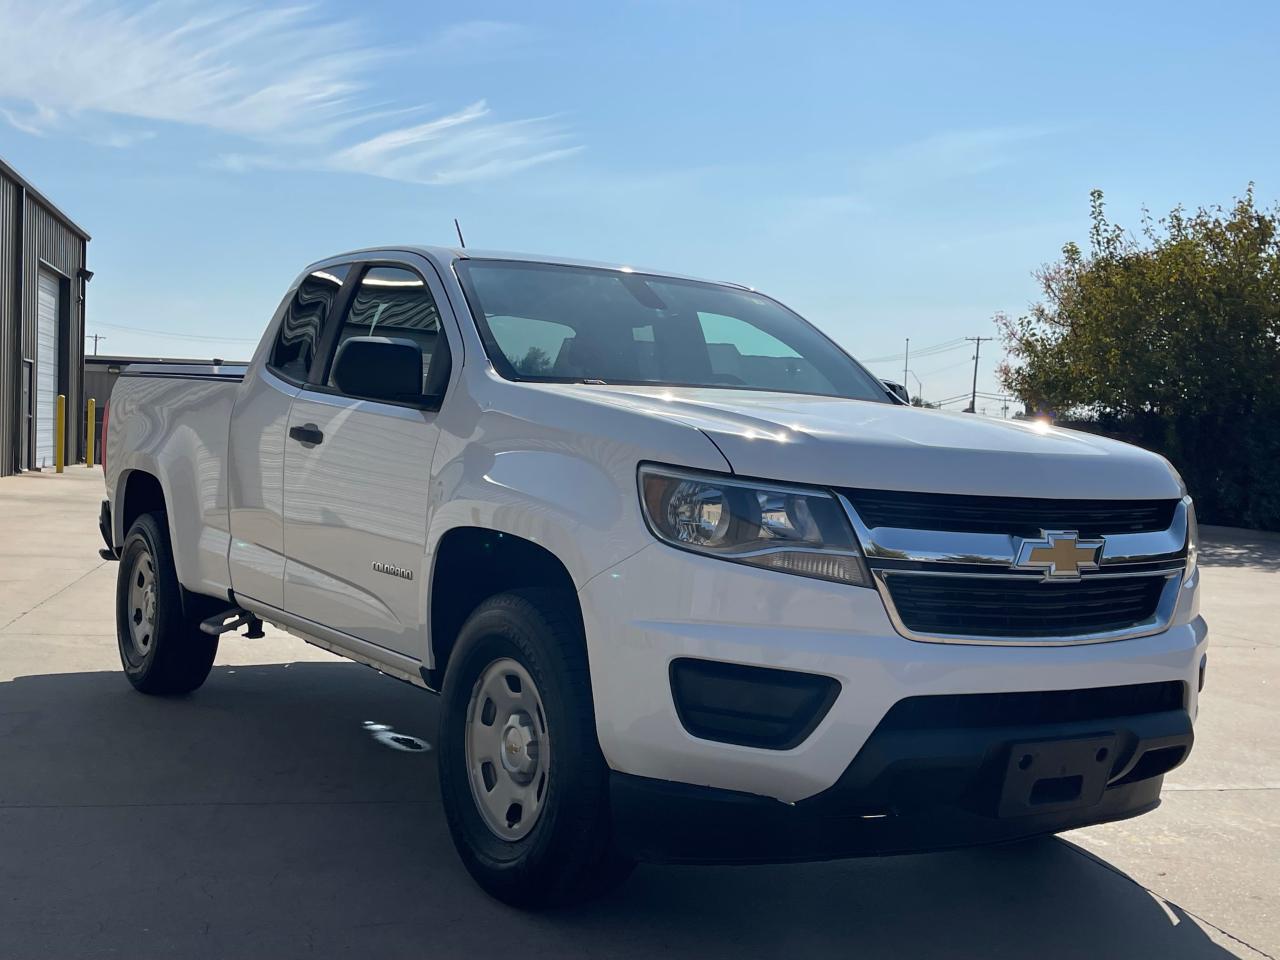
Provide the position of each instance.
(692, 585)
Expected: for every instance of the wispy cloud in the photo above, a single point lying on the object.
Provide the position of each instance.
(34, 121)
(478, 40)
(291, 83)
(951, 155)
(120, 139)
(462, 146)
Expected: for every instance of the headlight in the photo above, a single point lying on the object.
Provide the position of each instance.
(1193, 537)
(792, 529)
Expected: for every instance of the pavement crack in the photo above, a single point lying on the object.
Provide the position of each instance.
(53, 596)
(1088, 855)
(1221, 789)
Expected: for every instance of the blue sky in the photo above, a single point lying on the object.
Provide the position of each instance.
(889, 170)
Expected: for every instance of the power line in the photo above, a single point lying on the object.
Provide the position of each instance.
(944, 347)
(938, 348)
(177, 336)
(949, 366)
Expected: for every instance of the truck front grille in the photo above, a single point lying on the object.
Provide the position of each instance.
(1015, 516)
(962, 569)
(1022, 607)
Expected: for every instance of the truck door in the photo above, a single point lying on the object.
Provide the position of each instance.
(256, 447)
(357, 477)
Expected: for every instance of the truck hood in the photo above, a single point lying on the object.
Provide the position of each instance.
(855, 443)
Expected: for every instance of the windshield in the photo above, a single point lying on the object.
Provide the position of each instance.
(566, 324)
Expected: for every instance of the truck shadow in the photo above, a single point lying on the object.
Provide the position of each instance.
(292, 808)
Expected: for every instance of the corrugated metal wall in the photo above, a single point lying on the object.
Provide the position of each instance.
(10, 197)
(52, 245)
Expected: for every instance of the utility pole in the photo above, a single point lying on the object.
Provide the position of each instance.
(95, 337)
(977, 350)
(906, 355)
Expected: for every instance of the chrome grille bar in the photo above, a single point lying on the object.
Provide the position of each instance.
(985, 557)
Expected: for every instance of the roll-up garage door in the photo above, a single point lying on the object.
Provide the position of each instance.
(46, 367)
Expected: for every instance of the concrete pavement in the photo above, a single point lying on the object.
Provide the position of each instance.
(261, 818)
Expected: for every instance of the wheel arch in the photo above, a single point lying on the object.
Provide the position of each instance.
(139, 491)
(472, 564)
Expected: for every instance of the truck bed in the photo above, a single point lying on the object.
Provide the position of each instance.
(172, 421)
(187, 371)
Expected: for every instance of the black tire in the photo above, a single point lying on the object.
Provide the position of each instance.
(567, 855)
(171, 654)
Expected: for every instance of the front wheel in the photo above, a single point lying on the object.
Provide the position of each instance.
(162, 647)
(525, 786)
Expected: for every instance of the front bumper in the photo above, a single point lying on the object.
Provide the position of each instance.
(915, 788)
(661, 605)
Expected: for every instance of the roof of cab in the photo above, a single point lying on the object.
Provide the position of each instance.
(444, 256)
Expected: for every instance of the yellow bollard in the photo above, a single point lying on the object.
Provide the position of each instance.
(60, 433)
(91, 421)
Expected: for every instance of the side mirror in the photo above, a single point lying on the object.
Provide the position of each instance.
(898, 390)
(379, 368)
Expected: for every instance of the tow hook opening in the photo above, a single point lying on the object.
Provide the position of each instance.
(1056, 790)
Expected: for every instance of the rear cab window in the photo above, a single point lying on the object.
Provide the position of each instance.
(298, 338)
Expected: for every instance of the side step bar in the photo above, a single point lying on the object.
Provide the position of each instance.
(218, 623)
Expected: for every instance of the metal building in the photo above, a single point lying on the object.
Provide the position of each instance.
(42, 290)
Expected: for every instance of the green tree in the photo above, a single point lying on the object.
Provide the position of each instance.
(1171, 339)
(535, 363)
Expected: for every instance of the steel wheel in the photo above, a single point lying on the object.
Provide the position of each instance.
(524, 785)
(508, 749)
(162, 648)
(142, 603)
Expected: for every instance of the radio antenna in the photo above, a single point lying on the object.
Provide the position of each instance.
(462, 243)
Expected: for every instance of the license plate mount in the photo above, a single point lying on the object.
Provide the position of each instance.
(1049, 776)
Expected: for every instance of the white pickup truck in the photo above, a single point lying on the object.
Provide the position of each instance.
(692, 584)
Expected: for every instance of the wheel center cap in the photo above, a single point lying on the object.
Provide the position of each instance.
(519, 746)
(149, 604)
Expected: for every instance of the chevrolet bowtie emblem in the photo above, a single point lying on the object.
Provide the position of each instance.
(1061, 554)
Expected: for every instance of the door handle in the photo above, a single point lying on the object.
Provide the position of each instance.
(308, 434)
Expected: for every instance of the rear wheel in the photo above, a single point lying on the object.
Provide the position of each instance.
(525, 786)
(162, 648)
